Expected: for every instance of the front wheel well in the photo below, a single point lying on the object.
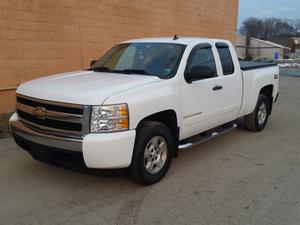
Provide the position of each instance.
(268, 91)
(168, 118)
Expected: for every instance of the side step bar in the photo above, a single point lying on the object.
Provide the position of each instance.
(205, 136)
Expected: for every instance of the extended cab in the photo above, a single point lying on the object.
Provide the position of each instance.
(141, 102)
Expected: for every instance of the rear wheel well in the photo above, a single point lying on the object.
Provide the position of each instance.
(169, 119)
(268, 91)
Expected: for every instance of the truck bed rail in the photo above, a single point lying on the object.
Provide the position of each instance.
(249, 65)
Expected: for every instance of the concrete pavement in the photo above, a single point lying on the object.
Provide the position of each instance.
(238, 178)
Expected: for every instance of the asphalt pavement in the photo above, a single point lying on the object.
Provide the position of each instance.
(290, 72)
(238, 178)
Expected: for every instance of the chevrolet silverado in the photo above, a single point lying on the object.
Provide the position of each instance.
(141, 103)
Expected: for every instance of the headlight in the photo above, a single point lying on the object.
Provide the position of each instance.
(108, 118)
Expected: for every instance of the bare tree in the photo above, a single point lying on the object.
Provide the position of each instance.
(252, 27)
(270, 27)
(297, 27)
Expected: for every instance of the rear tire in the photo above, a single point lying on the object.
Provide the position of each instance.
(257, 120)
(153, 152)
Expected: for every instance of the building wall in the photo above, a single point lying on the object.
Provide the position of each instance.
(297, 45)
(259, 49)
(42, 37)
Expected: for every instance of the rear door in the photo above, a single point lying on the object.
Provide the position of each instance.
(231, 82)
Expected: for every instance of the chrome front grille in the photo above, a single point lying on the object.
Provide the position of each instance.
(55, 118)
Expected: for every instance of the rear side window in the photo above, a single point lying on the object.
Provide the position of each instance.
(226, 59)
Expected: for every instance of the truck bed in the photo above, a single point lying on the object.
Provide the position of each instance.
(250, 65)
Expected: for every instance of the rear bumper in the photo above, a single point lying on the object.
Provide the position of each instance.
(101, 151)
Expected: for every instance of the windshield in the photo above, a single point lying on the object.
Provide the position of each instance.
(155, 59)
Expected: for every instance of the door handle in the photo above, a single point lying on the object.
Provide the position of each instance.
(217, 87)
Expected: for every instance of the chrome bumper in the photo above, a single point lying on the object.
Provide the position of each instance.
(19, 129)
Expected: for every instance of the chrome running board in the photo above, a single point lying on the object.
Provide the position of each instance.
(205, 136)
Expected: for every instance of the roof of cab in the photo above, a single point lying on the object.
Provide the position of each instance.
(180, 40)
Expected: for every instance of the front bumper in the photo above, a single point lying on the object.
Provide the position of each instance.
(101, 151)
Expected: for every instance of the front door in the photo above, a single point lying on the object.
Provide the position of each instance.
(202, 101)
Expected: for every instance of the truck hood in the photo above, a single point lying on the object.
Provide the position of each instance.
(82, 87)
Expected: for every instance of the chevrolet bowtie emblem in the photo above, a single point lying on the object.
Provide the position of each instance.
(40, 113)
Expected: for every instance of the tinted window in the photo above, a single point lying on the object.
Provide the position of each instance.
(202, 57)
(226, 61)
(154, 59)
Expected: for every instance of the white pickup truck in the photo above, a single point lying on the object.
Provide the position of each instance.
(141, 103)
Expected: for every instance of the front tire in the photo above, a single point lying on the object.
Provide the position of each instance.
(153, 152)
(257, 120)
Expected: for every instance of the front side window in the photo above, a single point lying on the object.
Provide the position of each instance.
(226, 60)
(202, 58)
(153, 59)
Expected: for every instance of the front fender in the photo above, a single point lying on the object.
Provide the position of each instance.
(149, 99)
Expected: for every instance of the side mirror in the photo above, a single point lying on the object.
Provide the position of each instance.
(199, 73)
(93, 62)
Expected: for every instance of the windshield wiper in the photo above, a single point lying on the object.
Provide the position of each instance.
(100, 69)
(132, 71)
(125, 71)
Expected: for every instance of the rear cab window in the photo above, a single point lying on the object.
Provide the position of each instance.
(225, 58)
